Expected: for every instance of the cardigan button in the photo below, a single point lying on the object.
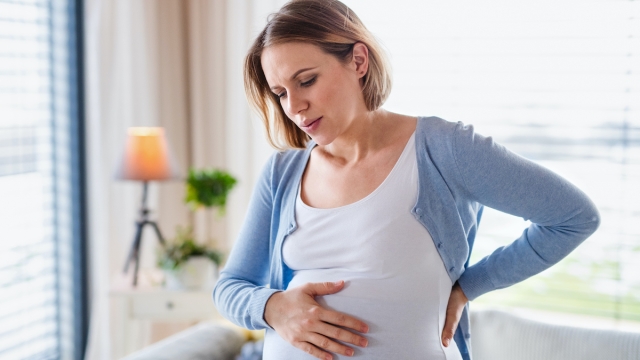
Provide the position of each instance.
(451, 269)
(418, 211)
(439, 245)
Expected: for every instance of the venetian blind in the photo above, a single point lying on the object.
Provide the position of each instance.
(555, 81)
(39, 182)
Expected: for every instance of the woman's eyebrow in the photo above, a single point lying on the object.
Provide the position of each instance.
(294, 76)
(301, 71)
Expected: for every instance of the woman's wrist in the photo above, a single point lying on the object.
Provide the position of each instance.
(458, 288)
(268, 310)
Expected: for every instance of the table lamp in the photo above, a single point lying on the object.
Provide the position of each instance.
(146, 157)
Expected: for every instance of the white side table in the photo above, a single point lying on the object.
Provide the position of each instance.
(133, 310)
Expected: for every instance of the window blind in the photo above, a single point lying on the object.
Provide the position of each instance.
(555, 81)
(41, 292)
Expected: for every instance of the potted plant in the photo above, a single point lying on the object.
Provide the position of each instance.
(208, 188)
(188, 264)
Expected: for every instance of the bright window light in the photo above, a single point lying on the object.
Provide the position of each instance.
(557, 82)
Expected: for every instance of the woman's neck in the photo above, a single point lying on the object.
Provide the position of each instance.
(366, 135)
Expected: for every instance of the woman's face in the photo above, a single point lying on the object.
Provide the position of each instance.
(317, 92)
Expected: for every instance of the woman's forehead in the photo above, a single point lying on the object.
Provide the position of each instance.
(280, 62)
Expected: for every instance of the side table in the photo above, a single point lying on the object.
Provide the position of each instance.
(134, 309)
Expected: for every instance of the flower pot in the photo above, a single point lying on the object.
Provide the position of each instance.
(197, 273)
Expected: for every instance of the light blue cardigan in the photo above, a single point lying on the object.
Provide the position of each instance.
(459, 173)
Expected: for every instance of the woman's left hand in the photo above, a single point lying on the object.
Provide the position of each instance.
(457, 301)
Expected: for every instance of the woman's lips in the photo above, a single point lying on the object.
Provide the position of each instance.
(313, 126)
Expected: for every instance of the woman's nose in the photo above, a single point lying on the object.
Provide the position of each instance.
(295, 104)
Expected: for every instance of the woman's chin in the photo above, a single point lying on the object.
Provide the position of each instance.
(321, 140)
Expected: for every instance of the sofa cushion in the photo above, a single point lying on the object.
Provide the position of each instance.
(497, 335)
(205, 341)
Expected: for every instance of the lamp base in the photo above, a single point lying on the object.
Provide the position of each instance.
(134, 253)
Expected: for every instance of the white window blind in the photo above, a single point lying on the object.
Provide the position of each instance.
(39, 186)
(555, 81)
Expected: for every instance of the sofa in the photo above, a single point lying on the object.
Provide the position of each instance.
(204, 341)
(496, 335)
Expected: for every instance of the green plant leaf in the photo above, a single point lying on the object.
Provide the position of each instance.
(179, 249)
(208, 188)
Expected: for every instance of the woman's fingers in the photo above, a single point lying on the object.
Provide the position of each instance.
(312, 350)
(450, 325)
(457, 301)
(327, 344)
(323, 288)
(298, 318)
(333, 317)
(340, 319)
(340, 334)
(321, 336)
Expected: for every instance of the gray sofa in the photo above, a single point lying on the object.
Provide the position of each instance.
(496, 336)
(205, 341)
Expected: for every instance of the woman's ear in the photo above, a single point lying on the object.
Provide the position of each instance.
(360, 59)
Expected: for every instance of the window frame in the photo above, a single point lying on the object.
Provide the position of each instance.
(79, 177)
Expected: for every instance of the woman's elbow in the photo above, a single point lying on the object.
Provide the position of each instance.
(592, 217)
(219, 293)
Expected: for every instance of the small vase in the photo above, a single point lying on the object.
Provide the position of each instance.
(197, 273)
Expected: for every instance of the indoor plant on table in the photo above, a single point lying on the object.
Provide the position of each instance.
(187, 263)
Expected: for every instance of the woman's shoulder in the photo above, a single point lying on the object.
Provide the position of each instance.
(437, 137)
(454, 146)
(286, 163)
(436, 127)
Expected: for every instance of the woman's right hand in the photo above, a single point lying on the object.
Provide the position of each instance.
(297, 317)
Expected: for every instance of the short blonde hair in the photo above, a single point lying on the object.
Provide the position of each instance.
(330, 25)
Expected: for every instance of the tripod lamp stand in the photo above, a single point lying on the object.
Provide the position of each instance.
(146, 158)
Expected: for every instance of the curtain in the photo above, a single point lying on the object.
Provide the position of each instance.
(175, 64)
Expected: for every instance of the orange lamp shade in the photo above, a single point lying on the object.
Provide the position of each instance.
(147, 156)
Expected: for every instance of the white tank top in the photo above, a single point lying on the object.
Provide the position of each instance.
(395, 280)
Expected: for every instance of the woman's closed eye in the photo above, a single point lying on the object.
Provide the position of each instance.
(308, 82)
(303, 84)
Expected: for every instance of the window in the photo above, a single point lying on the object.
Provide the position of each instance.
(42, 301)
(557, 82)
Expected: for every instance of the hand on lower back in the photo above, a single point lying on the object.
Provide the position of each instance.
(457, 301)
(297, 317)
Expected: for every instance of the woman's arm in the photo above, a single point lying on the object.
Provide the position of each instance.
(240, 294)
(561, 215)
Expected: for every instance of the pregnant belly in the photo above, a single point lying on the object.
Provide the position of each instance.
(404, 321)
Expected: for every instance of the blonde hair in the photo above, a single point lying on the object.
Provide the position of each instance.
(334, 28)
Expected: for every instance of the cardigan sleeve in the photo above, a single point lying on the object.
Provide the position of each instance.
(561, 215)
(240, 294)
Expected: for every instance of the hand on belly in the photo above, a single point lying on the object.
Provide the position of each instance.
(300, 320)
(404, 320)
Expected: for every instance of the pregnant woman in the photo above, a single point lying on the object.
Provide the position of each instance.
(359, 231)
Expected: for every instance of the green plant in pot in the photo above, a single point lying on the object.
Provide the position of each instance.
(186, 262)
(208, 188)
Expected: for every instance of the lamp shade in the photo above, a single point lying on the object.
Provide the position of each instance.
(147, 156)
